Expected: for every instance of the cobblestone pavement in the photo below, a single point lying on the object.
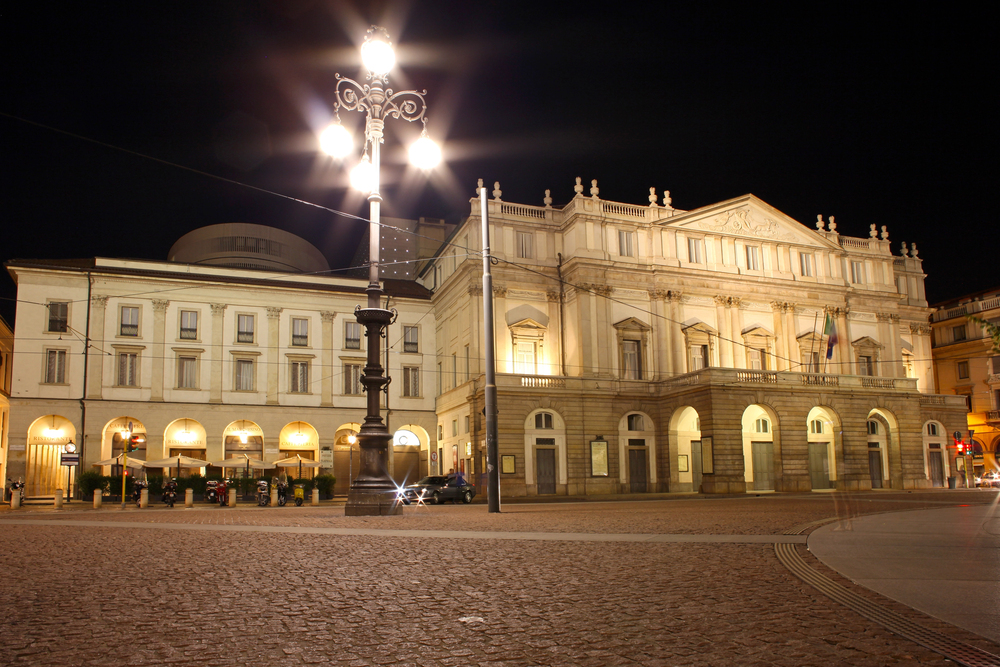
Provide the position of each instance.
(85, 595)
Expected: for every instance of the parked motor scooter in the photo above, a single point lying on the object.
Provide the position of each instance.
(15, 487)
(263, 497)
(170, 492)
(222, 492)
(300, 494)
(137, 488)
(282, 487)
(211, 493)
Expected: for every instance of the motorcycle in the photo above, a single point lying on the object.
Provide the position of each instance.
(282, 492)
(300, 494)
(170, 492)
(15, 487)
(211, 491)
(137, 488)
(222, 493)
(263, 497)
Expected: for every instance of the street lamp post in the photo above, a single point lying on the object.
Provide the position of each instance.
(373, 491)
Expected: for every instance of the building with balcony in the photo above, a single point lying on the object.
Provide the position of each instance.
(215, 357)
(725, 349)
(966, 364)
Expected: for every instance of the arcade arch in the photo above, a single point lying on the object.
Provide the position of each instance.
(47, 439)
(410, 449)
(759, 425)
(346, 456)
(883, 436)
(936, 465)
(685, 431)
(825, 442)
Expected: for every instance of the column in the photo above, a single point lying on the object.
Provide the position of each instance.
(736, 332)
(723, 326)
(678, 351)
(661, 342)
(501, 338)
(95, 370)
(846, 362)
(273, 360)
(159, 360)
(896, 363)
(604, 339)
(585, 331)
(326, 358)
(475, 320)
(553, 338)
(780, 344)
(791, 342)
(218, 352)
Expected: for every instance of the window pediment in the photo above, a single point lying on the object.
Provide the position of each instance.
(632, 324)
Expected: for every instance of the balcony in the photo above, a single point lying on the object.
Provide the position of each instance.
(993, 417)
(130, 330)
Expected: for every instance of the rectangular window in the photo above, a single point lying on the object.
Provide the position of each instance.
(699, 357)
(858, 273)
(189, 324)
(694, 251)
(454, 370)
(816, 426)
(753, 258)
(812, 362)
(958, 333)
(300, 377)
(55, 367)
(58, 317)
(128, 370)
(352, 335)
(352, 378)
(524, 357)
(626, 243)
(631, 360)
(130, 321)
(187, 377)
(411, 340)
(758, 359)
(524, 242)
(805, 264)
(866, 365)
(543, 420)
(995, 363)
(963, 370)
(411, 381)
(300, 332)
(454, 427)
(466, 423)
(244, 328)
(244, 380)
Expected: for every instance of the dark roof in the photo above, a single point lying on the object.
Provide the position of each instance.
(397, 288)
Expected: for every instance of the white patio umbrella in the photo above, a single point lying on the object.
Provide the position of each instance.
(117, 461)
(179, 461)
(243, 462)
(297, 460)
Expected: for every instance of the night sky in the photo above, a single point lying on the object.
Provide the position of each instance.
(857, 111)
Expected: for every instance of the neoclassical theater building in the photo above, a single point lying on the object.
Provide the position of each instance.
(640, 348)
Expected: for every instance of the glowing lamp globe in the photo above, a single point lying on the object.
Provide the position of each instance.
(336, 141)
(425, 153)
(377, 55)
(363, 176)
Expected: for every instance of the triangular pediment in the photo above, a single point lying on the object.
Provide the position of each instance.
(633, 324)
(751, 218)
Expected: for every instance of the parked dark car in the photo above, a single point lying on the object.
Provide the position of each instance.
(438, 489)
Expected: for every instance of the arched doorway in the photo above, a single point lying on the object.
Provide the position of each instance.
(936, 466)
(544, 452)
(636, 452)
(878, 448)
(685, 432)
(346, 457)
(410, 445)
(299, 438)
(47, 439)
(822, 434)
(759, 423)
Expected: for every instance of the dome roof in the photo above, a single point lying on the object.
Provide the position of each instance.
(244, 245)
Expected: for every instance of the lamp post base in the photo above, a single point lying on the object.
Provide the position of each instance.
(372, 502)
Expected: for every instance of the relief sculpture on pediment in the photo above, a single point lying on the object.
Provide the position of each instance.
(742, 221)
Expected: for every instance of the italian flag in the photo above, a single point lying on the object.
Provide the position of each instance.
(830, 331)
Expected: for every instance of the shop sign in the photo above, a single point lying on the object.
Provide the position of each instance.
(271, 451)
(326, 458)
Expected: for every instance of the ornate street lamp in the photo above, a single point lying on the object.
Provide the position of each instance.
(373, 492)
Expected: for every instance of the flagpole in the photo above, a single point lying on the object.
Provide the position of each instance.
(815, 320)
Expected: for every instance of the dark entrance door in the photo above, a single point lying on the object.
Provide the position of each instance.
(637, 468)
(696, 466)
(937, 468)
(763, 465)
(875, 467)
(819, 465)
(545, 470)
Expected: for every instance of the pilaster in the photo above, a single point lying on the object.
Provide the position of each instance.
(159, 358)
(326, 359)
(273, 360)
(95, 370)
(218, 353)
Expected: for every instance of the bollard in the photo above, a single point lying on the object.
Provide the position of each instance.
(144, 499)
(15, 499)
(98, 496)
(315, 497)
(232, 497)
(274, 497)
(59, 499)
(188, 497)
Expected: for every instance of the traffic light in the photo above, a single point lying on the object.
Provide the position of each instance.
(961, 448)
(133, 442)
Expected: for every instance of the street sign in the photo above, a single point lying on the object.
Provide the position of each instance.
(434, 456)
(958, 435)
(70, 459)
